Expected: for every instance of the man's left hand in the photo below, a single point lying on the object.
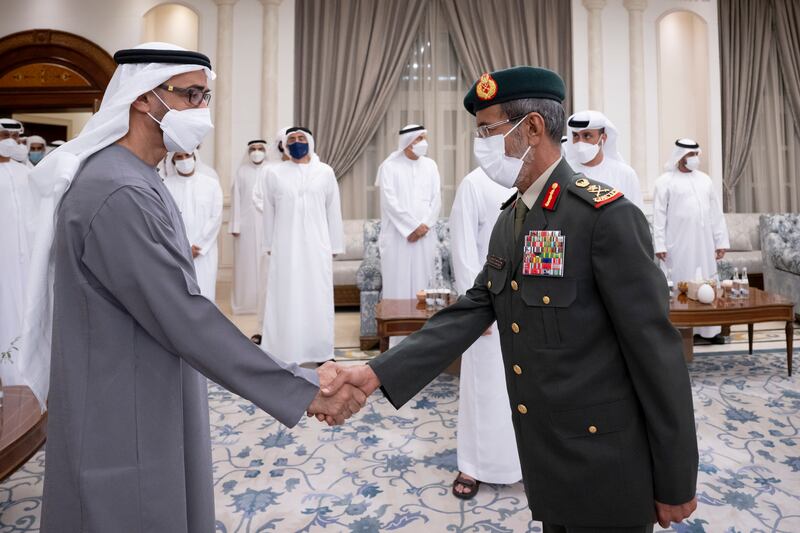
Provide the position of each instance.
(666, 514)
(195, 251)
(720, 253)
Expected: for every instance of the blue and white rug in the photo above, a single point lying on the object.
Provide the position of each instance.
(390, 470)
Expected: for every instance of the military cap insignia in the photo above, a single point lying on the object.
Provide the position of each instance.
(486, 88)
(551, 197)
(596, 193)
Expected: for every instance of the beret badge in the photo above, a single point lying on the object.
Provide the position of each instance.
(486, 88)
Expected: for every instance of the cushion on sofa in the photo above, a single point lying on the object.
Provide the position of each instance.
(353, 241)
(743, 232)
(752, 261)
(344, 272)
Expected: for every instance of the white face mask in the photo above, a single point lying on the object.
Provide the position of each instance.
(420, 149)
(693, 163)
(184, 130)
(585, 152)
(19, 153)
(185, 166)
(257, 156)
(491, 155)
(8, 147)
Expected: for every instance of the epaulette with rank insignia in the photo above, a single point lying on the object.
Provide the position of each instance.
(508, 202)
(594, 192)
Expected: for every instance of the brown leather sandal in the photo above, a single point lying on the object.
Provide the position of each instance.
(256, 338)
(464, 483)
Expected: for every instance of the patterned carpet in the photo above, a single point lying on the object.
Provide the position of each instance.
(391, 470)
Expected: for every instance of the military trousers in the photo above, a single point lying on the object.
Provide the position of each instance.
(552, 528)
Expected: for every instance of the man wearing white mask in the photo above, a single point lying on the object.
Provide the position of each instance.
(15, 129)
(14, 242)
(302, 231)
(594, 153)
(689, 230)
(599, 391)
(245, 226)
(116, 308)
(36, 150)
(487, 451)
(410, 204)
(199, 200)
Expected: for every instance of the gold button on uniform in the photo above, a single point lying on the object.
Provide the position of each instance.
(592, 429)
(546, 300)
(522, 409)
(489, 285)
(514, 285)
(517, 370)
(515, 327)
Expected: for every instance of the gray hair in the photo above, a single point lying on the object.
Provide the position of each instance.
(551, 111)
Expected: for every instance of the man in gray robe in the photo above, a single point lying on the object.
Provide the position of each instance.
(132, 339)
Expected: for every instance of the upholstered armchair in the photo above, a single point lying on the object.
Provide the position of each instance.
(370, 282)
(780, 249)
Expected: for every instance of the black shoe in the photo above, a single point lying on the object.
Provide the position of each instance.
(717, 339)
(700, 341)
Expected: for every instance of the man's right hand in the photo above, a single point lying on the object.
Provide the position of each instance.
(662, 255)
(362, 377)
(418, 233)
(235, 234)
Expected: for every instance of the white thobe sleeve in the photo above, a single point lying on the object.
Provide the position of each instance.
(234, 225)
(210, 231)
(399, 217)
(258, 191)
(334, 209)
(436, 203)
(634, 192)
(464, 226)
(660, 205)
(268, 214)
(718, 225)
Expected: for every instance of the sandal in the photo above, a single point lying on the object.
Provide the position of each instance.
(256, 339)
(464, 483)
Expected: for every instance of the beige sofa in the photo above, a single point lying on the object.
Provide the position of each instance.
(345, 266)
(745, 250)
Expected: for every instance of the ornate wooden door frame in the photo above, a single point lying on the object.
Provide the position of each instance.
(49, 69)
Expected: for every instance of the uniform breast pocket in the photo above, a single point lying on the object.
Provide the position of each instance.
(552, 296)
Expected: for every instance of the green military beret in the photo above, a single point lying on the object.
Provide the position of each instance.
(514, 83)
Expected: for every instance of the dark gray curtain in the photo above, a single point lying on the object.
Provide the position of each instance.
(494, 34)
(348, 58)
(745, 34)
(787, 35)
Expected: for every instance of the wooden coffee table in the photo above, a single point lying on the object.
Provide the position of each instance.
(761, 306)
(399, 318)
(23, 428)
(404, 317)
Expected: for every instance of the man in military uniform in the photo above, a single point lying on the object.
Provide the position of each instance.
(600, 394)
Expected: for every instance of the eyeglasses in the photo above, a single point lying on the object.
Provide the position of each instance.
(192, 95)
(483, 131)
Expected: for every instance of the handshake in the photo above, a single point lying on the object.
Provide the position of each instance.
(343, 392)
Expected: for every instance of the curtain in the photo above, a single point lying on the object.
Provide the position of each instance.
(430, 92)
(349, 56)
(745, 29)
(787, 35)
(494, 34)
(769, 179)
